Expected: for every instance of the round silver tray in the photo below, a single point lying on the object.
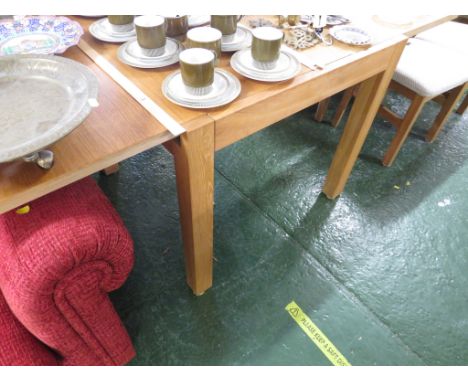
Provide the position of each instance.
(241, 39)
(286, 67)
(101, 29)
(42, 99)
(226, 88)
(131, 54)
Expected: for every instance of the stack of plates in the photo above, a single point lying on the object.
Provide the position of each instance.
(286, 67)
(102, 30)
(241, 39)
(131, 54)
(225, 89)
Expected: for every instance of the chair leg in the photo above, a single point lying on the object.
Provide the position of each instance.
(444, 113)
(321, 110)
(348, 94)
(404, 129)
(461, 109)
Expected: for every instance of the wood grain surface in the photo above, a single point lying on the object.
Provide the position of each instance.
(118, 129)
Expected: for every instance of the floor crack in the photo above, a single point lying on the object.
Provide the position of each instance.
(349, 293)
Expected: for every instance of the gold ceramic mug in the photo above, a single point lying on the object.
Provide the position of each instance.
(176, 25)
(197, 70)
(266, 46)
(227, 24)
(121, 23)
(207, 38)
(151, 37)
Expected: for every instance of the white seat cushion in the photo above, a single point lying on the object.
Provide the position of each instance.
(452, 35)
(429, 69)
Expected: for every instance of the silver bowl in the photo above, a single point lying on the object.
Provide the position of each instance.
(42, 99)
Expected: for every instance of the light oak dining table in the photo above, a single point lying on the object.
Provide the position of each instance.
(121, 127)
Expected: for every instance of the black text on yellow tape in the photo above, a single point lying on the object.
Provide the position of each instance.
(316, 335)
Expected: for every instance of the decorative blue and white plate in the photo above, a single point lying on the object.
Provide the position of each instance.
(38, 35)
(351, 35)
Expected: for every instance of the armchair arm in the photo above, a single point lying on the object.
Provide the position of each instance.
(57, 264)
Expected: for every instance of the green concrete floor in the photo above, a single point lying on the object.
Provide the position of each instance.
(382, 271)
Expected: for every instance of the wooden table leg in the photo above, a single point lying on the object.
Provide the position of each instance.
(367, 102)
(194, 162)
(111, 169)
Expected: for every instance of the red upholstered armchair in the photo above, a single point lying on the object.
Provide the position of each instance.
(57, 264)
(19, 347)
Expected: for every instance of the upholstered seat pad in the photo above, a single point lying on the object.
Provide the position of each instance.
(429, 69)
(451, 35)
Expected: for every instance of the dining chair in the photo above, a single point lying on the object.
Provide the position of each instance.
(457, 40)
(453, 35)
(426, 71)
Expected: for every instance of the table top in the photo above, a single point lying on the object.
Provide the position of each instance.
(378, 27)
(252, 93)
(120, 127)
(103, 139)
(150, 80)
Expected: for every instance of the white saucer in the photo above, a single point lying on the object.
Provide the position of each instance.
(286, 67)
(198, 21)
(102, 30)
(226, 87)
(241, 39)
(132, 54)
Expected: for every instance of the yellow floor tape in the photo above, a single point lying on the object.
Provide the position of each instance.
(316, 335)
